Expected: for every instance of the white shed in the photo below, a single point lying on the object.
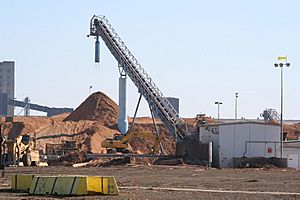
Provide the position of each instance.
(291, 151)
(241, 139)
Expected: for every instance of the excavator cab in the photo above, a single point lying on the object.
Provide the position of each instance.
(25, 139)
(118, 136)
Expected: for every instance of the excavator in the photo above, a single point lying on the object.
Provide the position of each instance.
(119, 142)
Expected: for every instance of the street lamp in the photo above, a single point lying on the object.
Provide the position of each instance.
(218, 103)
(281, 65)
(236, 98)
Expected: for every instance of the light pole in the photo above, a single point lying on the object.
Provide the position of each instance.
(236, 99)
(281, 65)
(218, 103)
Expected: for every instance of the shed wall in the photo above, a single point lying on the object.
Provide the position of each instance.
(211, 134)
(289, 153)
(250, 140)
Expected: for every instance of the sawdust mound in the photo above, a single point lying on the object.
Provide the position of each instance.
(88, 133)
(92, 122)
(292, 130)
(97, 107)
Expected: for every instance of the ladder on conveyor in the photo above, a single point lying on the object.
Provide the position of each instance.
(100, 26)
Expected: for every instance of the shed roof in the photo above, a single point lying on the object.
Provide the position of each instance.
(241, 122)
(292, 144)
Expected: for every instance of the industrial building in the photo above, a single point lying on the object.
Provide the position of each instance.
(240, 139)
(7, 94)
(7, 87)
(30, 106)
(291, 151)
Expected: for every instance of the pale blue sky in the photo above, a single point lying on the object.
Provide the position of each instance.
(199, 51)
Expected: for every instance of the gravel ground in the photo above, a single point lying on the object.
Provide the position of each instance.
(150, 182)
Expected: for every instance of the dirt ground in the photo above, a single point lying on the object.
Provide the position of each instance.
(177, 182)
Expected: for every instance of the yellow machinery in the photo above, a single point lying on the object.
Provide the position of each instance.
(22, 148)
(65, 147)
(119, 143)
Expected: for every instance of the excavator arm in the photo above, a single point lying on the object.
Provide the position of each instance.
(144, 135)
(120, 142)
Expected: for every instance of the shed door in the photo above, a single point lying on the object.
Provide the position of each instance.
(292, 160)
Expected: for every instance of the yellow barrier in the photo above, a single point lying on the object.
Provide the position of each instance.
(21, 182)
(64, 185)
(73, 185)
(102, 184)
